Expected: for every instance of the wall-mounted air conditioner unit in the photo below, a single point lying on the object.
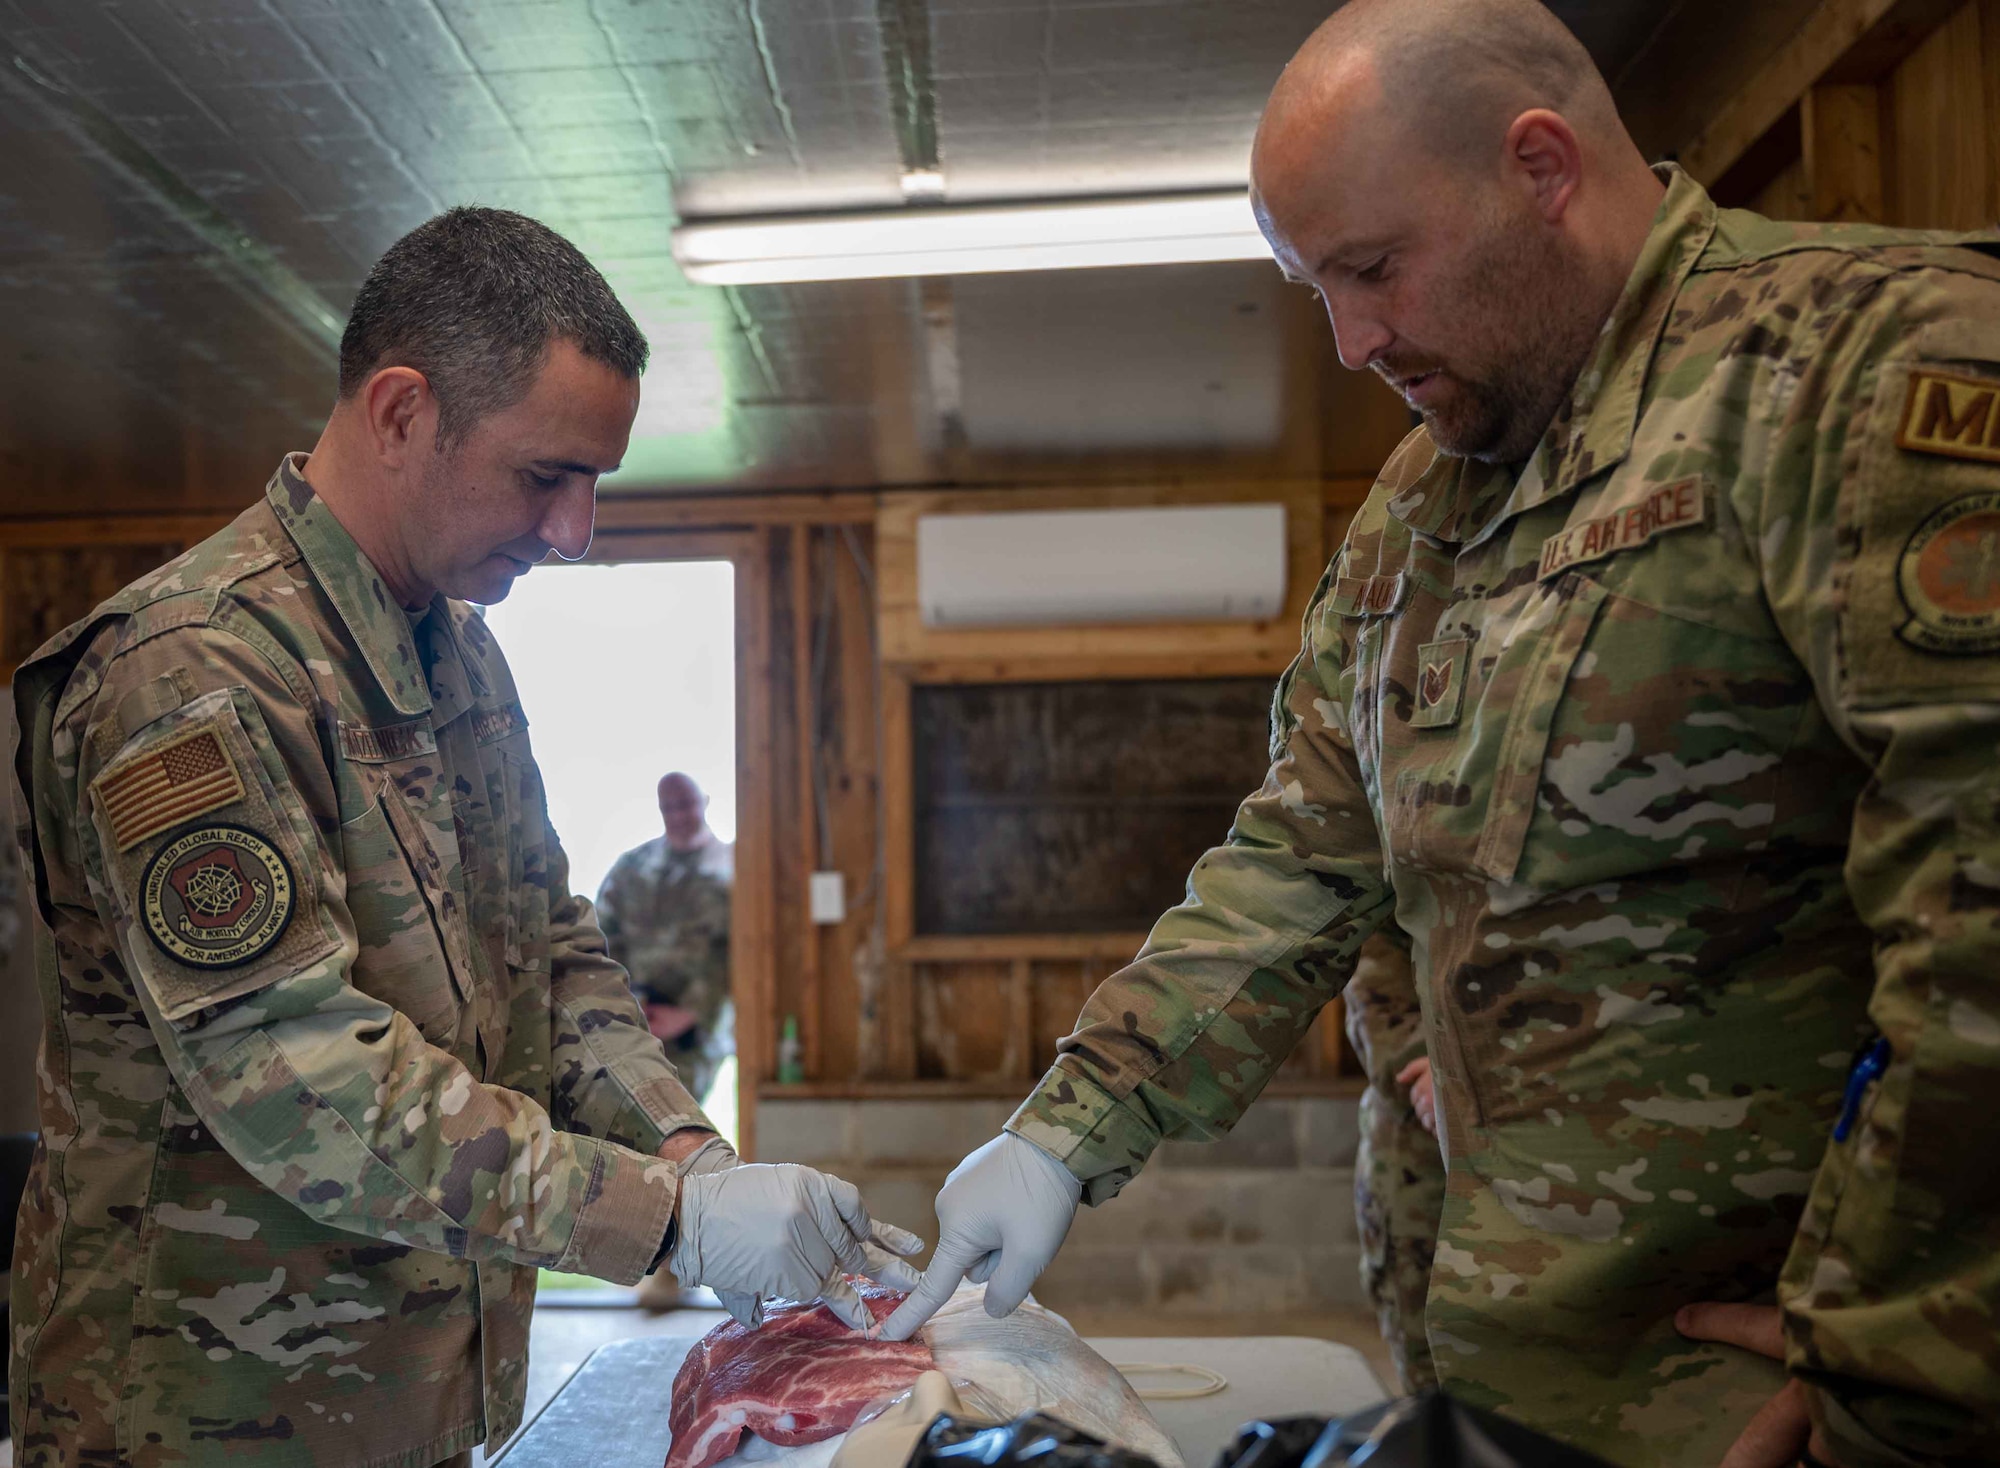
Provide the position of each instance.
(1193, 563)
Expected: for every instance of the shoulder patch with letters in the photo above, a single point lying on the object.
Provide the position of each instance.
(185, 777)
(1949, 577)
(1950, 414)
(217, 897)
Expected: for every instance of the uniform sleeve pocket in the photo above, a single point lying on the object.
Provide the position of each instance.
(211, 862)
(1920, 620)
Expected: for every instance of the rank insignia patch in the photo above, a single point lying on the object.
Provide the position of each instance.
(217, 897)
(173, 782)
(1440, 683)
(1951, 415)
(1949, 578)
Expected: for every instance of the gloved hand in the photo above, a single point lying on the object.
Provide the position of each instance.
(716, 1155)
(1002, 1214)
(756, 1231)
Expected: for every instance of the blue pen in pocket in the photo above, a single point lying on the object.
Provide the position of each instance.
(1867, 1069)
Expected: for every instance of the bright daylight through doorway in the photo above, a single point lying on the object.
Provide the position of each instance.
(627, 672)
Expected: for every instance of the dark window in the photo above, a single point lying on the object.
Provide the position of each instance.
(1075, 807)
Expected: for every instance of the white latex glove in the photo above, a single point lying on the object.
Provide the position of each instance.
(716, 1155)
(752, 1232)
(1002, 1214)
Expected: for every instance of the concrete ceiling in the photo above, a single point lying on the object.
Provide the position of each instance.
(190, 190)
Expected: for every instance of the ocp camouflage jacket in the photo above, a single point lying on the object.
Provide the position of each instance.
(332, 1058)
(1677, 756)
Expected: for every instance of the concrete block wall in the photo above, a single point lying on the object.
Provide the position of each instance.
(1262, 1220)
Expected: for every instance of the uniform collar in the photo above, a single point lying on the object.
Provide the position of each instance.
(1454, 499)
(377, 623)
(456, 680)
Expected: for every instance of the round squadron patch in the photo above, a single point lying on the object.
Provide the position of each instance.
(216, 897)
(1949, 577)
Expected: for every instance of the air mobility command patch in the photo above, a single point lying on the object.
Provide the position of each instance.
(217, 897)
(1952, 415)
(1949, 576)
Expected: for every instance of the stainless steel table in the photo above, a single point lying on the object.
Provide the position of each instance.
(613, 1412)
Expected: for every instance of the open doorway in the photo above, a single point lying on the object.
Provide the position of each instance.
(628, 671)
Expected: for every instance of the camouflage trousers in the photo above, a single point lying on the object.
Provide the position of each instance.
(1398, 1170)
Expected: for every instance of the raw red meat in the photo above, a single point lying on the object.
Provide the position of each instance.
(801, 1377)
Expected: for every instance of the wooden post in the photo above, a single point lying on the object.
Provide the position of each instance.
(753, 960)
(898, 1004)
(1842, 129)
(1020, 1054)
(807, 844)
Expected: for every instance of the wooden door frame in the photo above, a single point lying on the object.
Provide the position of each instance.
(753, 900)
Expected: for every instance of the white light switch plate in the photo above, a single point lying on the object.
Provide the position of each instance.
(827, 895)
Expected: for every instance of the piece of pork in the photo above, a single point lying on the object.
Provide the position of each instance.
(801, 1377)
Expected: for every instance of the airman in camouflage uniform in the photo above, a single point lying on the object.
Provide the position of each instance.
(412, 943)
(1675, 750)
(664, 909)
(1398, 1172)
(332, 1059)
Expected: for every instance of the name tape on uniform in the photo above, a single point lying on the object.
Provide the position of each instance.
(1670, 507)
(1368, 596)
(187, 776)
(1949, 414)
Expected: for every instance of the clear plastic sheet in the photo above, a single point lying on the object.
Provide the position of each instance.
(1030, 1361)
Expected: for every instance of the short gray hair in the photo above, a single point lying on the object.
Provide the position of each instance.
(472, 299)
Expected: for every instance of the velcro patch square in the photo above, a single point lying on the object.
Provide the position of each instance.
(1441, 669)
(1952, 415)
(173, 782)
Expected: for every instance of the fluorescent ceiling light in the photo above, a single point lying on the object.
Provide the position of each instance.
(971, 239)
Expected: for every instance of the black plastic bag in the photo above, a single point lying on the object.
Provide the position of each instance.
(1430, 1431)
(1033, 1441)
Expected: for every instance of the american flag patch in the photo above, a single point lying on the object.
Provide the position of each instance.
(181, 779)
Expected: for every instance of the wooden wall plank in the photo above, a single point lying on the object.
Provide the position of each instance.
(1940, 173)
(753, 922)
(808, 1000)
(1787, 196)
(1841, 41)
(1841, 127)
(848, 770)
(618, 512)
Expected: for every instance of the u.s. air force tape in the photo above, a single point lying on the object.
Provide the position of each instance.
(217, 897)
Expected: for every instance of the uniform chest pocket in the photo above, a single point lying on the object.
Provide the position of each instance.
(410, 941)
(1462, 793)
(522, 809)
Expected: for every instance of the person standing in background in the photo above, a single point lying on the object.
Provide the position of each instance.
(664, 908)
